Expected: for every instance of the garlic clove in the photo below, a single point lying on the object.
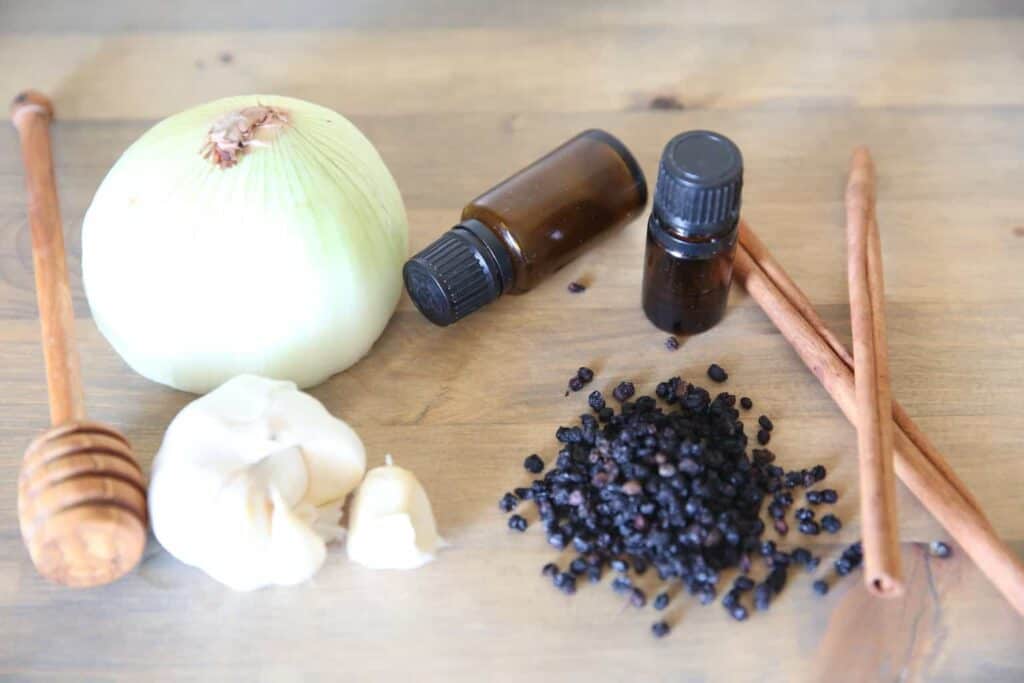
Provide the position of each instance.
(285, 473)
(391, 522)
(321, 435)
(296, 550)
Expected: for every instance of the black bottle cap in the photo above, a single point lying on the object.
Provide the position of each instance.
(462, 271)
(700, 180)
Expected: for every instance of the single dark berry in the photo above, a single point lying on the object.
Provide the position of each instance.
(594, 574)
(716, 373)
(763, 437)
(517, 523)
(557, 540)
(776, 579)
(738, 612)
(534, 464)
(731, 599)
(810, 527)
(820, 587)
(618, 565)
(639, 565)
(829, 496)
(568, 583)
(550, 570)
(575, 287)
(804, 514)
(831, 524)
(706, 595)
(637, 598)
(812, 564)
(621, 584)
(746, 403)
(939, 549)
(624, 391)
(781, 559)
(575, 384)
(671, 343)
(661, 601)
(660, 629)
(784, 498)
(578, 566)
(585, 374)
(765, 423)
(819, 472)
(767, 548)
(743, 583)
(853, 555)
(813, 497)
(800, 556)
(843, 566)
(569, 434)
(523, 493)
(781, 528)
(595, 400)
(508, 502)
(605, 414)
(582, 545)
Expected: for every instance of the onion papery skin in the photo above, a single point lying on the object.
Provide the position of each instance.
(286, 264)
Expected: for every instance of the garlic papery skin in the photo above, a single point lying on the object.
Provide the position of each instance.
(391, 523)
(249, 483)
(256, 234)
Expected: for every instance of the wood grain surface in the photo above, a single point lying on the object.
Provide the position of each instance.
(456, 95)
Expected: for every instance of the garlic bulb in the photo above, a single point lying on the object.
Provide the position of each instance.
(254, 234)
(391, 523)
(249, 482)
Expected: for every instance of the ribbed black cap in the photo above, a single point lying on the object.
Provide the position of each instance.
(460, 272)
(700, 180)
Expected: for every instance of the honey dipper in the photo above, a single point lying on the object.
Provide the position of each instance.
(81, 493)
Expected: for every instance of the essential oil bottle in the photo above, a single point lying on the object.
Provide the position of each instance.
(528, 226)
(692, 232)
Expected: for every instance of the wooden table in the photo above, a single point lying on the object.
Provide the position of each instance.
(457, 95)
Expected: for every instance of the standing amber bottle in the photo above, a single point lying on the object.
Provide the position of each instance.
(692, 232)
(517, 233)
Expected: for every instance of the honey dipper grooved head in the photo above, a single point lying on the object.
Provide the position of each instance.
(82, 505)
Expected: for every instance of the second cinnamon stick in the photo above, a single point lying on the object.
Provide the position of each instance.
(883, 573)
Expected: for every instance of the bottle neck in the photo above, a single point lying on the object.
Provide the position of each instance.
(490, 248)
(676, 240)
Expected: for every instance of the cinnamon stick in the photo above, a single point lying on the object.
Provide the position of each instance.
(796, 297)
(965, 523)
(879, 526)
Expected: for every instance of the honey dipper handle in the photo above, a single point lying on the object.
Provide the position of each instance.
(31, 113)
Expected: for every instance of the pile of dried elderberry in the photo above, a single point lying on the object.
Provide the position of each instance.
(670, 487)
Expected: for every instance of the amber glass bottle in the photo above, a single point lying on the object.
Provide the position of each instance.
(528, 226)
(692, 232)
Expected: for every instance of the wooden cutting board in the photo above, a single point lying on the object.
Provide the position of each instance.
(456, 96)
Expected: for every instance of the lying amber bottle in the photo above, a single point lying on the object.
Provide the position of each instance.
(516, 234)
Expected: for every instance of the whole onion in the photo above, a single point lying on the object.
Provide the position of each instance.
(256, 234)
